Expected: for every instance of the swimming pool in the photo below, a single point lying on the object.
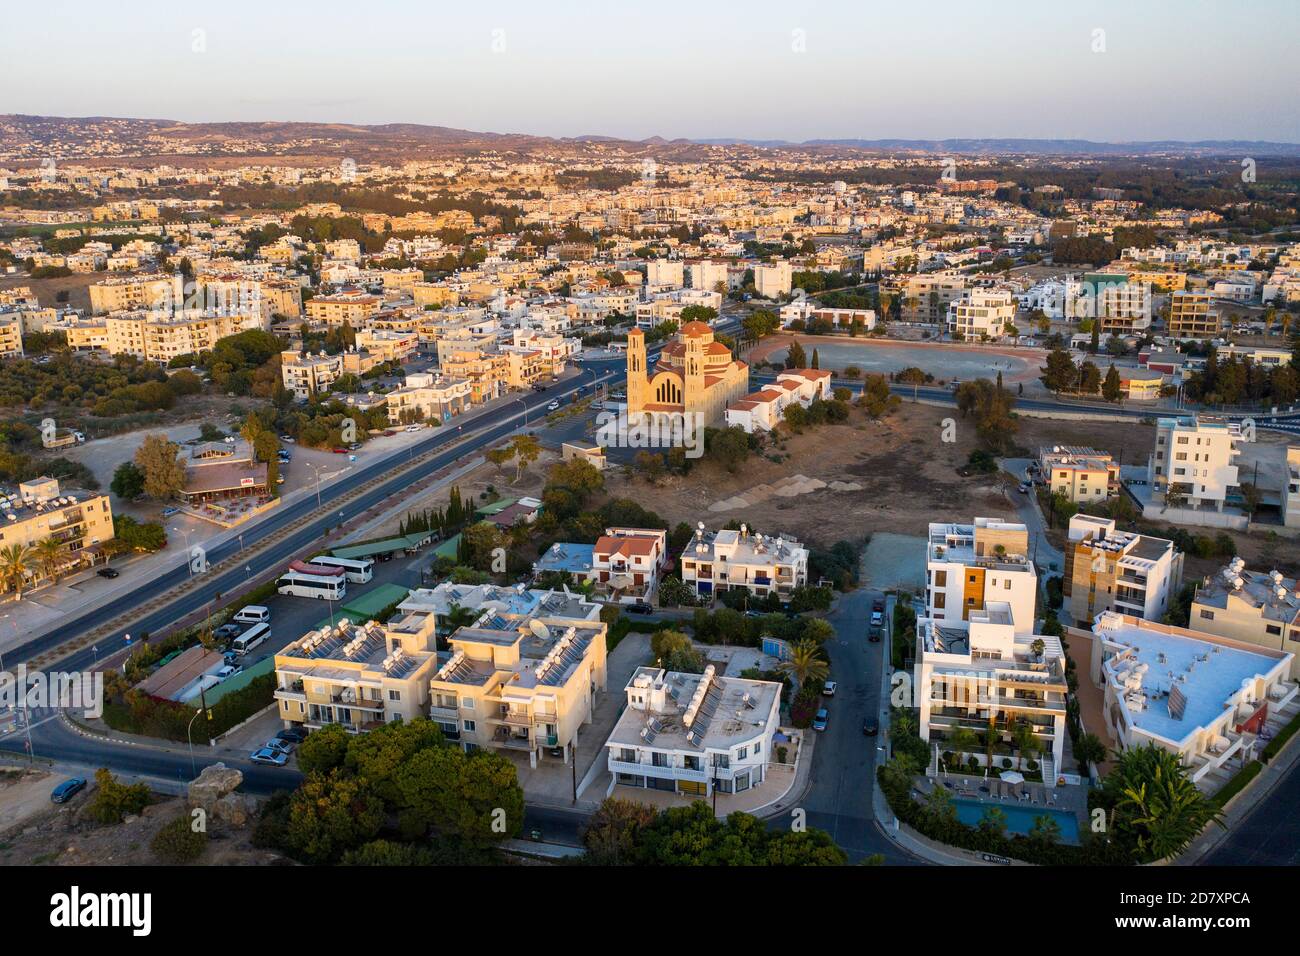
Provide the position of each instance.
(1020, 818)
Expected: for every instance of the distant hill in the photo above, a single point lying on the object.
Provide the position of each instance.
(24, 137)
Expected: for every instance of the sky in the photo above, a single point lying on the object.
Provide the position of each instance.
(754, 69)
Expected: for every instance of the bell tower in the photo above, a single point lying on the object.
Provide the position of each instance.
(637, 382)
(693, 379)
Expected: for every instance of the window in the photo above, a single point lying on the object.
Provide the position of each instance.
(467, 703)
(1274, 628)
(1006, 585)
(468, 725)
(394, 695)
(1208, 615)
(742, 753)
(940, 599)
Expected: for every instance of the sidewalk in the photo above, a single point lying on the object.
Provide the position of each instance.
(40, 612)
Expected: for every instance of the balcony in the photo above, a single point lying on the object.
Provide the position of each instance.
(444, 713)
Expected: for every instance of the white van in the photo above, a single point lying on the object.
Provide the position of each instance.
(253, 614)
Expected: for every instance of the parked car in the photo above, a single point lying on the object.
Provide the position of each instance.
(339, 451)
(828, 689)
(870, 728)
(293, 734)
(273, 758)
(640, 607)
(226, 631)
(873, 635)
(553, 406)
(877, 618)
(286, 439)
(168, 512)
(823, 717)
(355, 446)
(107, 572)
(413, 428)
(68, 789)
(279, 744)
(1024, 488)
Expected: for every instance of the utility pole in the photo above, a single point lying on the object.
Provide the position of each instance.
(573, 764)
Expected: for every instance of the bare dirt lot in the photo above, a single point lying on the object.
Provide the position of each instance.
(34, 831)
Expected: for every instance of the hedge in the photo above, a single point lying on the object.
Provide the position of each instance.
(1274, 746)
(1238, 783)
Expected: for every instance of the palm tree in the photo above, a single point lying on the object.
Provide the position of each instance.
(806, 662)
(1089, 750)
(15, 562)
(1022, 738)
(49, 554)
(962, 741)
(1157, 803)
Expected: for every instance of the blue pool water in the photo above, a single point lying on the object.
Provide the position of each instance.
(1019, 818)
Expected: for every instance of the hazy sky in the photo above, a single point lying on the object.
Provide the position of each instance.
(1171, 69)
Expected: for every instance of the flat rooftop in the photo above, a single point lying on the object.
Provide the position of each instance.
(730, 711)
(1205, 672)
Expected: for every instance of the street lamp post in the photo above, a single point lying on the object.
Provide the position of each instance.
(186, 534)
(316, 469)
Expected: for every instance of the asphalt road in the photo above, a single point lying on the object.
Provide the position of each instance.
(485, 429)
(1269, 835)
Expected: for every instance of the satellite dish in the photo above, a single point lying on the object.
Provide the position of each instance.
(539, 629)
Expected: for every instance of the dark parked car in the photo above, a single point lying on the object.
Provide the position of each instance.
(294, 734)
(640, 607)
(873, 635)
(68, 789)
(870, 728)
(107, 572)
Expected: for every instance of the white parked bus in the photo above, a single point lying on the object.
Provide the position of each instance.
(358, 571)
(251, 638)
(296, 583)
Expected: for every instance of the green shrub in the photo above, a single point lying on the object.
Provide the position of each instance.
(115, 801)
(178, 842)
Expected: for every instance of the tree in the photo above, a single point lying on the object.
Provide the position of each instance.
(1111, 389)
(1156, 805)
(160, 462)
(806, 663)
(128, 481)
(796, 357)
(1089, 750)
(15, 563)
(1059, 373)
(474, 797)
(961, 742)
(913, 376)
(525, 449)
(324, 750)
(114, 801)
(50, 554)
(1044, 831)
(330, 814)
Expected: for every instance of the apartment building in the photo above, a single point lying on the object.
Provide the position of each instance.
(717, 561)
(927, 298)
(1291, 488)
(131, 293)
(981, 314)
(428, 397)
(815, 316)
(1192, 461)
(969, 566)
(351, 306)
(359, 676)
(707, 274)
(488, 373)
(1106, 568)
(306, 374)
(989, 673)
(82, 521)
(1203, 697)
(666, 272)
(773, 279)
(1192, 316)
(523, 682)
(1083, 475)
(11, 335)
(386, 345)
(693, 734)
(1249, 606)
(626, 563)
(428, 294)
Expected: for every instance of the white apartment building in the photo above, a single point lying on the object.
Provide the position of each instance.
(773, 279)
(981, 313)
(986, 672)
(306, 375)
(1083, 475)
(694, 733)
(1193, 460)
(427, 397)
(707, 275)
(666, 272)
(1291, 488)
(1249, 606)
(1106, 568)
(720, 560)
(626, 562)
(1203, 697)
(763, 410)
(969, 566)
